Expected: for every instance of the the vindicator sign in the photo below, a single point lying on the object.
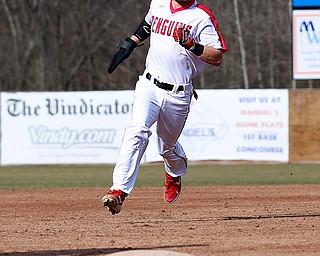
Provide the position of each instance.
(71, 127)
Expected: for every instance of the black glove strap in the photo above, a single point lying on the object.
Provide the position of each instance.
(126, 48)
(127, 44)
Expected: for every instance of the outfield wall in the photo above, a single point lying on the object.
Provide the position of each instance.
(304, 125)
(87, 127)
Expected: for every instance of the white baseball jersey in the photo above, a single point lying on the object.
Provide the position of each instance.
(166, 59)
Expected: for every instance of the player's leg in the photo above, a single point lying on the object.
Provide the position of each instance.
(135, 140)
(144, 114)
(169, 127)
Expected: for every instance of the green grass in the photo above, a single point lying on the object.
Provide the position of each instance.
(151, 175)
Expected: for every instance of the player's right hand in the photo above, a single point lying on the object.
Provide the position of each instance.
(126, 48)
(182, 36)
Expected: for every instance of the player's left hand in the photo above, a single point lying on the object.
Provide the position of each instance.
(126, 48)
(182, 36)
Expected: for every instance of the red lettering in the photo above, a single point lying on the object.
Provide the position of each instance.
(154, 24)
(170, 28)
(164, 27)
(159, 25)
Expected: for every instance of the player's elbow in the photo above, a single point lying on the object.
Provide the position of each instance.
(217, 63)
(212, 56)
(214, 62)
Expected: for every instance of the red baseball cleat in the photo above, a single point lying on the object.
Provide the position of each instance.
(113, 200)
(172, 188)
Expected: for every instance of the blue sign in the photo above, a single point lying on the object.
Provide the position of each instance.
(305, 3)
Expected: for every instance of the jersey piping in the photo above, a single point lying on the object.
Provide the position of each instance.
(214, 22)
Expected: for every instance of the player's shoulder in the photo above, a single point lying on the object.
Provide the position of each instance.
(203, 10)
(205, 13)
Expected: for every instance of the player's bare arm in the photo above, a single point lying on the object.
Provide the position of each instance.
(136, 39)
(211, 56)
(208, 54)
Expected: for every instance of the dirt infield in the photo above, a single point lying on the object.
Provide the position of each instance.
(246, 220)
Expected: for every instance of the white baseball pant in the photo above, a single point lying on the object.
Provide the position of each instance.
(170, 110)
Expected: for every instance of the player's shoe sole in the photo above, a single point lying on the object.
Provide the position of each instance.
(113, 200)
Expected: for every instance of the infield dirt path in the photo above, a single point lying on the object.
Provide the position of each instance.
(246, 220)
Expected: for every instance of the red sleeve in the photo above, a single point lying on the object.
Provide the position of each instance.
(214, 22)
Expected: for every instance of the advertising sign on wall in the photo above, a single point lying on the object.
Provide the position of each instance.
(63, 128)
(305, 3)
(87, 127)
(235, 125)
(306, 44)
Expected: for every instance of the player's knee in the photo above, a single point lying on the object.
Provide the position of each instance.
(139, 134)
(164, 151)
(171, 152)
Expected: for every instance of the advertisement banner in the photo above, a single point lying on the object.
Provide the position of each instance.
(305, 3)
(306, 44)
(235, 125)
(63, 127)
(87, 127)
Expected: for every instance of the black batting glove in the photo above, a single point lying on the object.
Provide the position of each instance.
(126, 48)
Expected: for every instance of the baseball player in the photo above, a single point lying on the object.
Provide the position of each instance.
(184, 37)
